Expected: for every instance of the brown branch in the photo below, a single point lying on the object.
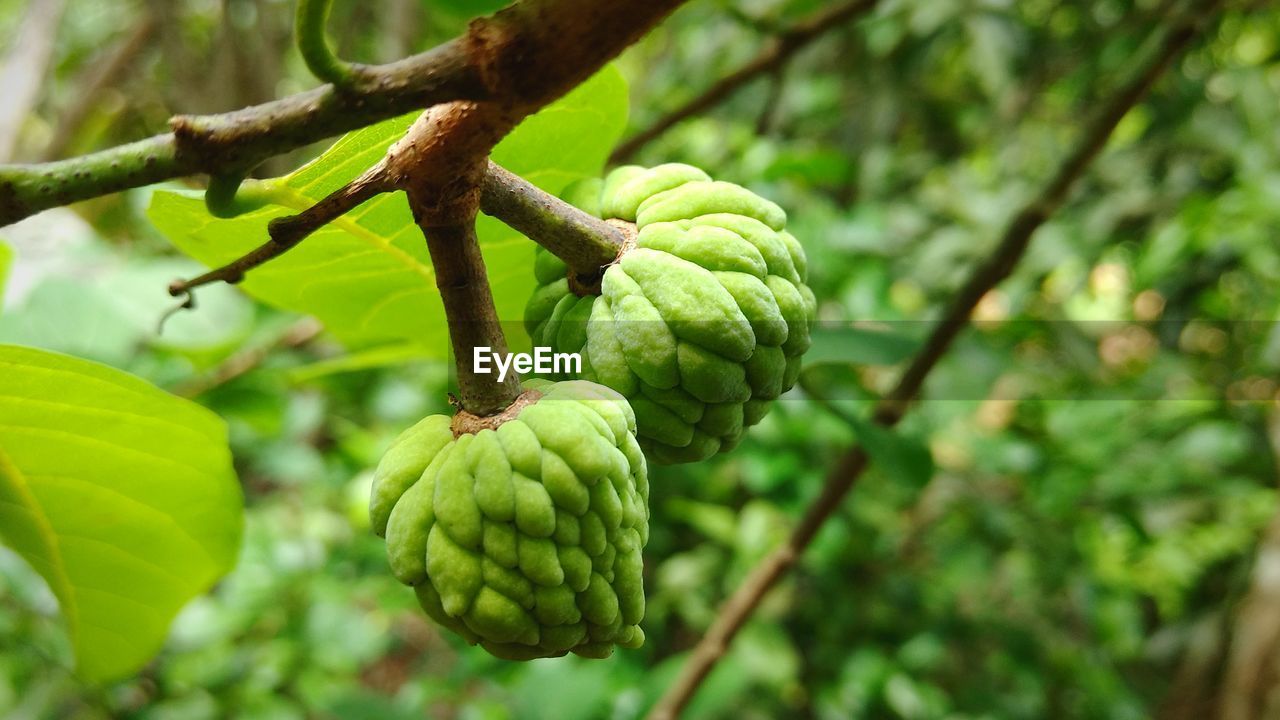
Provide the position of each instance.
(787, 43)
(516, 60)
(473, 318)
(585, 242)
(442, 160)
(238, 140)
(287, 232)
(740, 606)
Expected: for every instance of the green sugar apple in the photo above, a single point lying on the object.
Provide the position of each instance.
(526, 538)
(700, 322)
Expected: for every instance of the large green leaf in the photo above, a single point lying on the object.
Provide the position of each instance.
(367, 275)
(121, 496)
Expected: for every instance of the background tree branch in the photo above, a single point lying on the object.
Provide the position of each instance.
(101, 77)
(23, 72)
(850, 466)
(770, 60)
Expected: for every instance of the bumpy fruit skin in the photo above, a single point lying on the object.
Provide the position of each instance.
(525, 540)
(701, 325)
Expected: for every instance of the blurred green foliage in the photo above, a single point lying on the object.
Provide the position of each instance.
(1100, 443)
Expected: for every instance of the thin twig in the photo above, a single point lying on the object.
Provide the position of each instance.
(287, 232)
(473, 318)
(188, 303)
(786, 44)
(740, 606)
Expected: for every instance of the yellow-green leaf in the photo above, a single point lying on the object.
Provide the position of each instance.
(120, 495)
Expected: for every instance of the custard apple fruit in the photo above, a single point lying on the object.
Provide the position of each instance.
(700, 322)
(525, 539)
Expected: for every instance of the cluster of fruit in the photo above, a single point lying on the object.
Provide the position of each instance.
(526, 537)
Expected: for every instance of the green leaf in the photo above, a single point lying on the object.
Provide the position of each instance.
(121, 496)
(901, 458)
(367, 276)
(859, 346)
(376, 357)
(6, 259)
(119, 311)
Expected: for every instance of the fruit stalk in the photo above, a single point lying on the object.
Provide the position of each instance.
(584, 242)
(473, 319)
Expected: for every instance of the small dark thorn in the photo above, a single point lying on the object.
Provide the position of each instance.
(235, 278)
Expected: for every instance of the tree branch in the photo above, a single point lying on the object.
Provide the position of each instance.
(582, 240)
(787, 43)
(842, 478)
(287, 232)
(519, 59)
(233, 141)
(538, 51)
(473, 318)
(585, 243)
